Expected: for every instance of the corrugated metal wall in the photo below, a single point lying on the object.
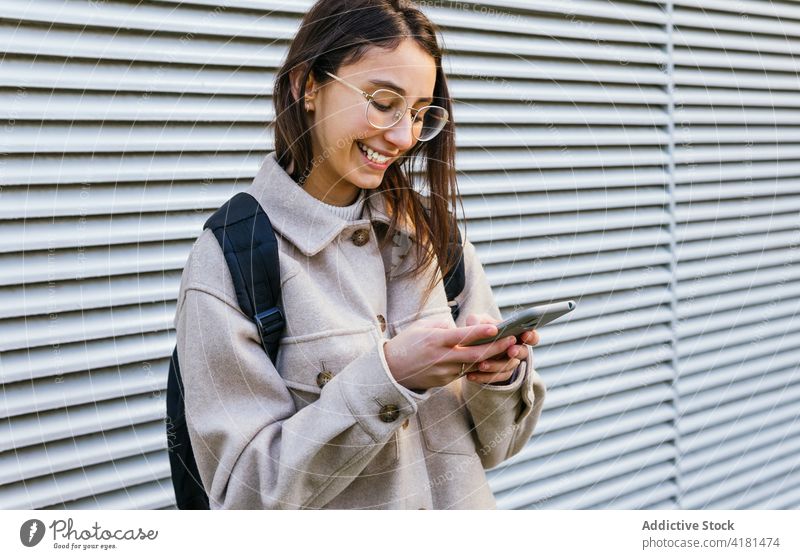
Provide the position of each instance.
(640, 157)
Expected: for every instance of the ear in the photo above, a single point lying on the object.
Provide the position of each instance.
(295, 75)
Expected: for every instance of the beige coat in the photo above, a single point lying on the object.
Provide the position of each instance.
(287, 437)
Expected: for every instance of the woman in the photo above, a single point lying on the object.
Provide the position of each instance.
(374, 402)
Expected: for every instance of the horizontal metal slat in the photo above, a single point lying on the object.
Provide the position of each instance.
(562, 135)
(653, 420)
(155, 495)
(67, 106)
(733, 346)
(104, 199)
(729, 414)
(722, 40)
(106, 137)
(82, 451)
(59, 41)
(736, 486)
(737, 389)
(569, 415)
(719, 98)
(596, 485)
(762, 297)
(71, 264)
(735, 263)
(154, 17)
(147, 78)
(737, 190)
(135, 401)
(57, 361)
(98, 324)
(84, 482)
(498, 205)
(744, 242)
(559, 179)
(525, 226)
(767, 205)
(546, 47)
(712, 20)
(704, 285)
(491, 87)
(120, 168)
(566, 245)
(531, 111)
(553, 70)
(764, 438)
(723, 228)
(736, 171)
(65, 296)
(570, 287)
(50, 234)
(695, 446)
(145, 496)
(574, 457)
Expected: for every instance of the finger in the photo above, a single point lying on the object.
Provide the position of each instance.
(531, 337)
(490, 376)
(484, 351)
(518, 351)
(467, 334)
(496, 365)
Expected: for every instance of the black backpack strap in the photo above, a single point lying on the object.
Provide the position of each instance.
(248, 242)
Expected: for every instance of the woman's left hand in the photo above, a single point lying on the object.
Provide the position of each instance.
(501, 367)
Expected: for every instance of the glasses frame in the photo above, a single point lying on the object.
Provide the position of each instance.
(369, 97)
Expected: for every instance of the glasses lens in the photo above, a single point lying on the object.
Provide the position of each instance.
(386, 108)
(433, 120)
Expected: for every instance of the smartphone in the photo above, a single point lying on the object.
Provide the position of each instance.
(529, 319)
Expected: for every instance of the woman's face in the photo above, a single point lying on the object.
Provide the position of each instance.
(339, 122)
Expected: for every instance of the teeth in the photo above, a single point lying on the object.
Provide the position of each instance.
(373, 155)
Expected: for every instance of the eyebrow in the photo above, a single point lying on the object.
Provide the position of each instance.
(398, 89)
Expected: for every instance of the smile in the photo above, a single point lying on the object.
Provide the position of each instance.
(373, 155)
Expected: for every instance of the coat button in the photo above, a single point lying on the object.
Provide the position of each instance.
(360, 237)
(382, 322)
(323, 378)
(389, 413)
(405, 424)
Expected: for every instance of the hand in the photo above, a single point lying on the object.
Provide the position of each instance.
(500, 369)
(428, 354)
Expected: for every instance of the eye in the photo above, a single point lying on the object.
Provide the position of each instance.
(381, 107)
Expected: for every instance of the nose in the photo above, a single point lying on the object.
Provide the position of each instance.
(400, 134)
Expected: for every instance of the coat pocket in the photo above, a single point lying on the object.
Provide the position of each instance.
(387, 459)
(446, 425)
(308, 363)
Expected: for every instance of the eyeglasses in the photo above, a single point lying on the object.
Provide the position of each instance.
(385, 108)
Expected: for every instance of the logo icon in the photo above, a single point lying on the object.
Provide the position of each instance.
(31, 532)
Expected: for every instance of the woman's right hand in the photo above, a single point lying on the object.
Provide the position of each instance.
(428, 354)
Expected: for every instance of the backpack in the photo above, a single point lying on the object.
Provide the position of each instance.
(248, 242)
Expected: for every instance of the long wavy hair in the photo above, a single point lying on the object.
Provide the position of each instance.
(335, 33)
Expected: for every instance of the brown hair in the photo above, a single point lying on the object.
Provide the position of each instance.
(335, 33)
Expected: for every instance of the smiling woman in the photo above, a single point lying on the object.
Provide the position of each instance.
(374, 399)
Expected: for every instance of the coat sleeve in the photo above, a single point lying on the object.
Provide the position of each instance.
(254, 449)
(504, 415)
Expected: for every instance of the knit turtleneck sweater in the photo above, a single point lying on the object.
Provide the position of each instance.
(347, 213)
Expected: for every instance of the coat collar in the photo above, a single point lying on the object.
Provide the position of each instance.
(301, 218)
